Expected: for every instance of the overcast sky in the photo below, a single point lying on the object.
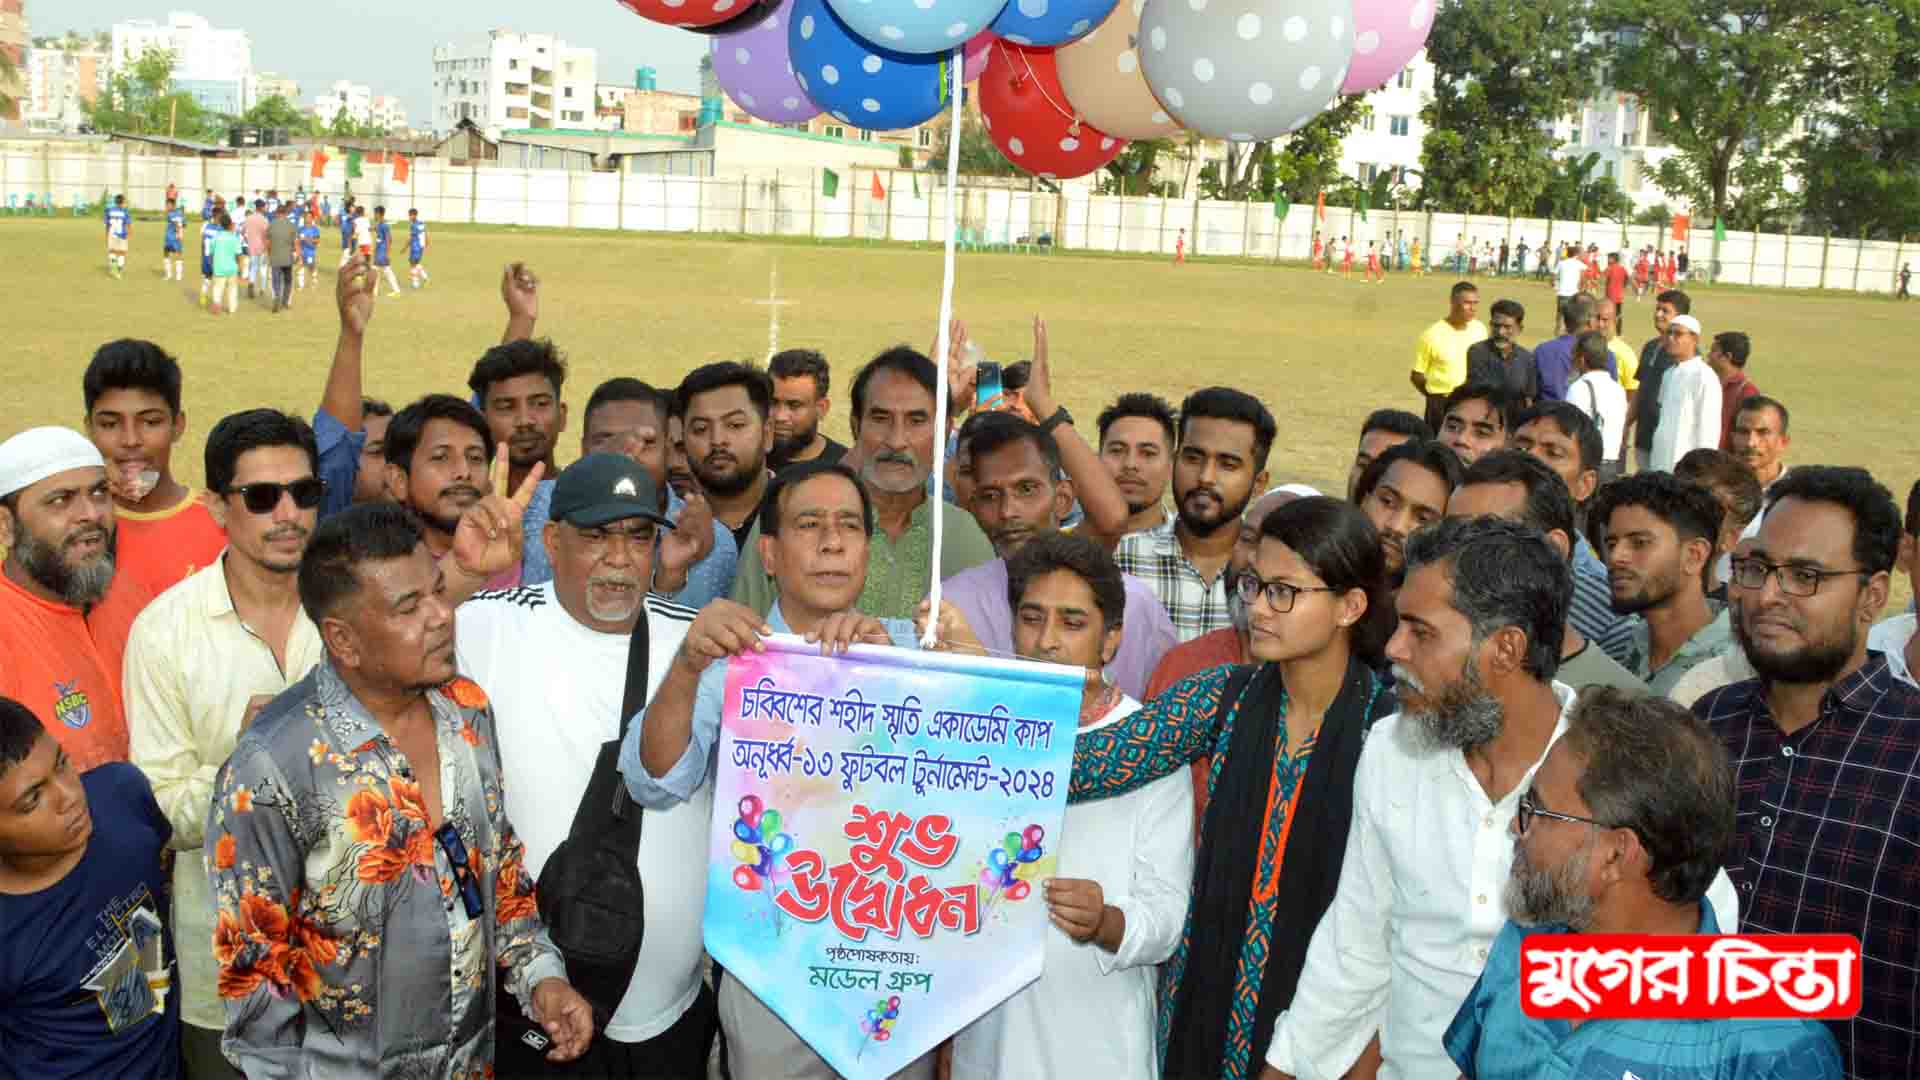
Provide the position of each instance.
(388, 44)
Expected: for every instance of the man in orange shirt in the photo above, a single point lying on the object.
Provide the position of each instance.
(132, 392)
(64, 612)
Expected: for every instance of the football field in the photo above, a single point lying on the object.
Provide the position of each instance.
(1320, 350)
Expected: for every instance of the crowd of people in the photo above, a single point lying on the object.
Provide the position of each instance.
(289, 766)
(1653, 268)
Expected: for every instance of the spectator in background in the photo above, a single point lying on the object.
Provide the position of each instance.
(1655, 359)
(1660, 537)
(1440, 358)
(1478, 418)
(1501, 359)
(1895, 636)
(1596, 394)
(282, 235)
(801, 381)
(1403, 491)
(1737, 491)
(1626, 362)
(1137, 436)
(1727, 356)
(254, 232)
(1555, 358)
(516, 386)
(1690, 414)
(1759, 438)
(1383, 430)
(1568, 274)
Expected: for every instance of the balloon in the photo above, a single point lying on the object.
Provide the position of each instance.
(1006, 876)
(882, 1035)
(1026, 115)
(1018, 890)
(1033, 834)
(989, 878)
(1101, 76)
(1026, 871)
(916, 26)
(1386, 36)
(766, 863)
(770, 823)
(1028, 855)
(750, 809)
(746, 877)
(688, 13)
(746, 833)
(745, 852)
(751, 16)
(755, 69)
(996, 858)
(781, 844)
(859, 82)
(893, 1002)
(1050, 22)
(1246, 69)
(975, 55)
(866, 1026)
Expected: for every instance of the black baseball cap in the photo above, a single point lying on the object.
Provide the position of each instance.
(602, 488)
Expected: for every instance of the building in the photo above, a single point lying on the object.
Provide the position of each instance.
(13, 42)
(214, 66)
(1390, 136)
(506, 80)
(387, 113)
(354, 99)
(60, 85)
(267, 84)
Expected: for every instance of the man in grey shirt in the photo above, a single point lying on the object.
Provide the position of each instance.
(281, 237)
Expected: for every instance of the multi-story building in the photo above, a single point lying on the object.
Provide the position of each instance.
(1389, 137)
(508, 80)
(386, 112)
(267, 84)
(13, 42)
(60, 85)
(215, 66)
(354, 99)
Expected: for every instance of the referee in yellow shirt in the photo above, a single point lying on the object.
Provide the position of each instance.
(1440, 360)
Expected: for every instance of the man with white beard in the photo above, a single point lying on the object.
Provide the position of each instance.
(1419, 901)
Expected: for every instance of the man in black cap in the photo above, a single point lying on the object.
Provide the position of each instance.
(552, 658)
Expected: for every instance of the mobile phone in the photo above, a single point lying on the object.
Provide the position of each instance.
(987, 390)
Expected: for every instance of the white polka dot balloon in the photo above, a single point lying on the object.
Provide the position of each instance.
(755, 69)
(691, 14)
(1245, 69)
(1101, 75)
(1026, 114)
(857, 81)
(1387, 34)
(917, 26)
(1050, 22)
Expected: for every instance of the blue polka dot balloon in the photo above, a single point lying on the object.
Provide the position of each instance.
(1050, 22)
(917, 26)
(859, 82)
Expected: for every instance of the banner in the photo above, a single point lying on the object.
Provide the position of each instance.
(881, 825)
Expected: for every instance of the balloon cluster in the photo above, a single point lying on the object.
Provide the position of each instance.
(1011, 865)
(758, 843)
(1065, 83)
(878, 1024)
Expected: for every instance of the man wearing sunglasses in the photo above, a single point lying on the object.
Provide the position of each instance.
(1622, 831)
(207, 655)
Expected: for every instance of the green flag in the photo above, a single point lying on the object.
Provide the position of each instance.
(829, 183)
(1280, 205)
(1719, 231)
(353, 164)
(1362, 206)
(916, 183)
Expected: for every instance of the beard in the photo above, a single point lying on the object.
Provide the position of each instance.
(1817, 662)
(1655, 589)
(1462, 716)
(785, 446)
(1550, 896)
(736, 482)
(891, 484)
(277, 533)
(620, 607)
(47, 564)
(1206, 525)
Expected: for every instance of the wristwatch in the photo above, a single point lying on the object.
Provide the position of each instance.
(1060, 416)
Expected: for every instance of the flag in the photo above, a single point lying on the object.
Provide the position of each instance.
(1281, 205)
(829, 183)
(915, 177)
(1681, 223)
(1719, 230)
(402, 168)
(319, 164)
(1365, 197)
(878, 191)
(353, 164)
(1320, 208)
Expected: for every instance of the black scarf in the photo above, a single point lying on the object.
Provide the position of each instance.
(1230, 853)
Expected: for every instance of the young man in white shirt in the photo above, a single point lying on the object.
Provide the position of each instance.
(1419, 902)
(1118, 899)
(1566, 277)
(1689, 398)
(553, 659)
(1597, 394)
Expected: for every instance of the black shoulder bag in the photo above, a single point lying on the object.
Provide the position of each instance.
(591, 896)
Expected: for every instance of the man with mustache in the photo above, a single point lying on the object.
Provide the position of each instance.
(64, 611)
(438, 459)
(207, 655)
(1383, 430)
(1661, 532)
(1419, 901)
(1406, 489)
(1626, 823)
(553, 658)
(517, 386)
(1826, 749)
(1137, 434)
(1225, 436)
(725, 409)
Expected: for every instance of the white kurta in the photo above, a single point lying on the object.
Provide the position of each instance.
(1689, 413)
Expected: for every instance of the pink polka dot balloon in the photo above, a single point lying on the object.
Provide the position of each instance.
(1386, 36)
(1027, 116)
(688, 13)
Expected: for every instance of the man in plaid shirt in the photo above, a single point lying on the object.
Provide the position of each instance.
(1221, 465)
(1826, 751)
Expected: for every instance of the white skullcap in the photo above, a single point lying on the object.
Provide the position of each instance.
(1298, 491)
(1687, 323)
(37, 453)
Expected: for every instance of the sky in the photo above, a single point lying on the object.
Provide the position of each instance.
(388, 44)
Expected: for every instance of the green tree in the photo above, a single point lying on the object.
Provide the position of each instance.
(978, 155)
(140, 98)
(1504, 71)
(1726, 80)
(1860, 163)
(9, 81)
(1573, 190)
(278, 112)
(1300, 163)
(1132, 172)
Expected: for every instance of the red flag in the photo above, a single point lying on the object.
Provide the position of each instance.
(1681, 224)
(401, 167)
(319, 163)
(878, 191)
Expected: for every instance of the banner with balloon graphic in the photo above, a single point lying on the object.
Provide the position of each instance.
(882, 822)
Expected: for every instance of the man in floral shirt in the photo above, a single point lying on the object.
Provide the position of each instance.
(368, 886)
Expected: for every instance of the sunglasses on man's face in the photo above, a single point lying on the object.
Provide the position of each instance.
(262, 497)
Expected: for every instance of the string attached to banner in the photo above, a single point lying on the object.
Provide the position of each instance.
(940, 348)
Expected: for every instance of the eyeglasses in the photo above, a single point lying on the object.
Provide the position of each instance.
(262, 497)
(1280, 595)
(456, 849)
(1529, 808)
(1752, 574)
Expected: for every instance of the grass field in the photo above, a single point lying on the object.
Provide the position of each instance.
(1319, 350)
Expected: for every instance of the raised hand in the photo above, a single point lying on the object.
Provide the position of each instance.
(1039, 389)
(690, 540)
(353, 292)
(489, 540)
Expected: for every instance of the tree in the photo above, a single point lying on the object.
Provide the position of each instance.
(140, 98)
(1860, 164)
(978, 155)
(1726, 80)
(1573, 190)
(9, 79)
(278, 112)
(1504, 71)
(1132, 172)
(1300, 164)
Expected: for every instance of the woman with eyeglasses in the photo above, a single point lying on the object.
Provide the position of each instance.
(1284, 734)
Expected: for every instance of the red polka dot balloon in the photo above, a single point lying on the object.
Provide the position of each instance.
(1029, 119)
(691, 14)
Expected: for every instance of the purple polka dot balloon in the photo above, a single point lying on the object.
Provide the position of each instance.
(755, 68)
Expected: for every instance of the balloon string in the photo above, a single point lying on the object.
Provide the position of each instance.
(1073, 118)
(941, 347)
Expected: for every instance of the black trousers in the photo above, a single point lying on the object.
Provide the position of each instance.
(678, 1053)
(282, 285)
